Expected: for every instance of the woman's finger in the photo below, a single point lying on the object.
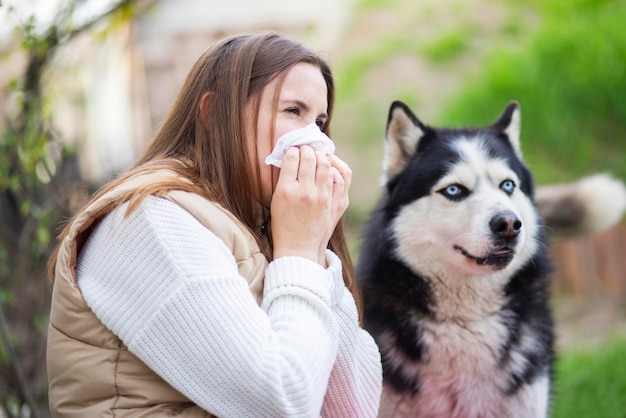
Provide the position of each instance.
(323, 174)
(308, 165)
(291, 162)
(343, 169)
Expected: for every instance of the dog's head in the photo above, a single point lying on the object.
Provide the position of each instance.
(459, 201)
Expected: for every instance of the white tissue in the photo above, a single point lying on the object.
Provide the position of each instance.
(309, 135)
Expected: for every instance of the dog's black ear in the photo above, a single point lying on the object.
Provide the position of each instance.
(404, 130)
(509, 123)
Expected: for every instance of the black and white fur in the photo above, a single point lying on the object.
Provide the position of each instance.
(454, 271)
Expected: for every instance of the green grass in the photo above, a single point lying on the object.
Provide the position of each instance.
(592, 383)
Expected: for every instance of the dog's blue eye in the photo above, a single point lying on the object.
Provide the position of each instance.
(454, 192)
(508, 186)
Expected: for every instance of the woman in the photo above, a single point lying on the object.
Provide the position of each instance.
(174, 294)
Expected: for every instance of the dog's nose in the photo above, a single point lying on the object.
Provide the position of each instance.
(505, 225)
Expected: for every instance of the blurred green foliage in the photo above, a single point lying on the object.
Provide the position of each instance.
(570, 78)
(447, 46)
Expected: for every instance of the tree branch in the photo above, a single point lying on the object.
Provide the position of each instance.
(4, 335)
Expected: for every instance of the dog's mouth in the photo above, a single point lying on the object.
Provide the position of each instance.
(497, 259)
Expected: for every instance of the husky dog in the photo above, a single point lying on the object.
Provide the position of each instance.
(454, 272)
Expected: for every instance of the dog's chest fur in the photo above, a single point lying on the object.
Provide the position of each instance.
(468, 359)
(462, 373)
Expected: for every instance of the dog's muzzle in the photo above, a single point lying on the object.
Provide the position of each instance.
(505, 228)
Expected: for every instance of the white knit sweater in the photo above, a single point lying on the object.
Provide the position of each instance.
(170, 289)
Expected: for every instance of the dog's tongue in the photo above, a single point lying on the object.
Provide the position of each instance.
(502, 251)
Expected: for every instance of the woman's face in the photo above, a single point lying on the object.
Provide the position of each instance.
(302, 100)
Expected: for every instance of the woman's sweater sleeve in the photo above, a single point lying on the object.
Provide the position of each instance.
(170, 289)
(355, 384)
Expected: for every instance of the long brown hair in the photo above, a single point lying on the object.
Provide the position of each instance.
(203, 136)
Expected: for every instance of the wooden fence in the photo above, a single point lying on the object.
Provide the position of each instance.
(592, 266)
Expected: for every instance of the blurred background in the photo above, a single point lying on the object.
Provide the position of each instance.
(85, 83)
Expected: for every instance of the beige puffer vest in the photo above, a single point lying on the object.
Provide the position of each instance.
(91, 373)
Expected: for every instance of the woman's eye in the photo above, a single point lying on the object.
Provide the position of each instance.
(293, 110)
(320, 124)
(454, 192)
(507, 186)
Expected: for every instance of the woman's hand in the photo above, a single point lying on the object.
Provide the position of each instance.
(310, 197)
(342, 178)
